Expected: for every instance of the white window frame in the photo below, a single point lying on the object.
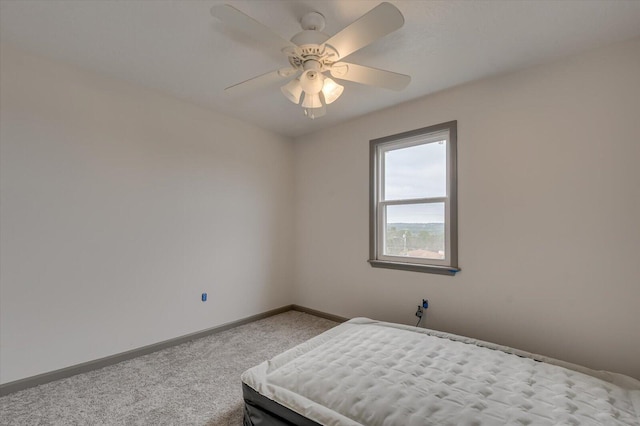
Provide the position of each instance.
(378, 205)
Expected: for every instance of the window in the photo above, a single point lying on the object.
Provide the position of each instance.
(413, 212)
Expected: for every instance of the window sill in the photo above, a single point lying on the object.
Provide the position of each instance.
(415, 267)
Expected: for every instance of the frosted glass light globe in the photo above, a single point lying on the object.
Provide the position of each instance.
(312, 81)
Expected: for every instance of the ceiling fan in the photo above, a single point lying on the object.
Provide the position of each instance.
(312, 53)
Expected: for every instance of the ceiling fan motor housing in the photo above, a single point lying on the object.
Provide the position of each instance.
(311, 47)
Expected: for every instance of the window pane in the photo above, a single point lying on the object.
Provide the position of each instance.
(416, 172)
(415, 230)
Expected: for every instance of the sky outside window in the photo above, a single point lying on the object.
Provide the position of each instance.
(416, 172)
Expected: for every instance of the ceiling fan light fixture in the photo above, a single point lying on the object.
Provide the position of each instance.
(311, 82)
(331, 90)
(292, 90)
(312, 101)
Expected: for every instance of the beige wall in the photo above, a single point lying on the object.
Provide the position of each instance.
(549, 210)
(119, 207)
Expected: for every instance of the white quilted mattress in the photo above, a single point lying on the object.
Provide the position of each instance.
(375, 373)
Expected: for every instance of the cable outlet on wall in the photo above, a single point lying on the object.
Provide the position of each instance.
(204, 297)
(421, 309)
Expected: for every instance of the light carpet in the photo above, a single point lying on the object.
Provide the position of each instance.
(195, 383)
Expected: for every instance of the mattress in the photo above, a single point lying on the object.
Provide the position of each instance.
(367, 372)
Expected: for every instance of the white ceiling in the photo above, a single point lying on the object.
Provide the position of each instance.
(177, 47)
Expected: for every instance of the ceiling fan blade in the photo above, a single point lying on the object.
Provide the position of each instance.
(370, 76)
(378, 22)
(260, 81)
(243, 22)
